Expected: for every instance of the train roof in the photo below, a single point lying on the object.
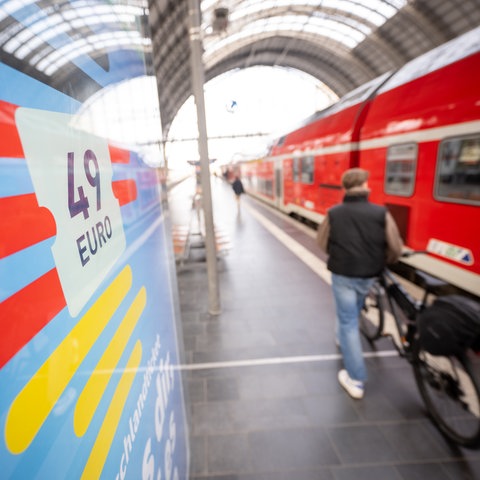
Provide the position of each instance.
(353, 97)
(450, 52)
(358, 95)
(439, 57)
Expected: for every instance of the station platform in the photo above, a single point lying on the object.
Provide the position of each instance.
(262, 394)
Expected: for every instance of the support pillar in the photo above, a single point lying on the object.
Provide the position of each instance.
(196, 48)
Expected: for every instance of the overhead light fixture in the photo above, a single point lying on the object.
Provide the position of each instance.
(220, 19)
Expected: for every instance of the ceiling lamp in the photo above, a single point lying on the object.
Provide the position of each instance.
(220, 19)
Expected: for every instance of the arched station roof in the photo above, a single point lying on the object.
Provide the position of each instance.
(343, 43)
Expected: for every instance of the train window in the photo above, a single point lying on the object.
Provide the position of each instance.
(265, 187)
(307, 169)
(458, 170)
(269, 188)
(296, 169)
(400, 169)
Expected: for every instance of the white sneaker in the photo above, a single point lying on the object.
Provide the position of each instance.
(353, 387)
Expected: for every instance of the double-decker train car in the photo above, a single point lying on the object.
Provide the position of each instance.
(89, 322)
(417, 131)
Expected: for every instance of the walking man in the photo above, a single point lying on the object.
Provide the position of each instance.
(360, 238)
(238, 189)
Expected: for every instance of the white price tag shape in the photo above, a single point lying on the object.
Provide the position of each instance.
(72, 175)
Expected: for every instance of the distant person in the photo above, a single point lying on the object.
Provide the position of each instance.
(360, 238)
(238, 189)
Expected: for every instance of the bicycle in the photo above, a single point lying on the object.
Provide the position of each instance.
(447, 384)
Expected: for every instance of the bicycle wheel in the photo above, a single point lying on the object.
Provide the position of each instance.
(451, 394)
(372, 314)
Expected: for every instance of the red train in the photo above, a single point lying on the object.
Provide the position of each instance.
(417, 131)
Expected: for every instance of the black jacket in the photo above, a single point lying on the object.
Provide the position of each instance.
(238, 187)
(357, 241)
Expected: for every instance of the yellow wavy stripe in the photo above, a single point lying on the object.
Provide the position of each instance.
(97, 383)
(37, 398)
(101, 447)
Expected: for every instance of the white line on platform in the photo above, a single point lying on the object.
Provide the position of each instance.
(279, 360)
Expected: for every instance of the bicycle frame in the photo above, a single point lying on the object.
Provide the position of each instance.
(399, 300)
(447, 383)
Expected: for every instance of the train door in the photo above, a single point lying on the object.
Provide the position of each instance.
(278, 184)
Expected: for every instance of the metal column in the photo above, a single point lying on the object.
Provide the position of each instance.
(197, 85)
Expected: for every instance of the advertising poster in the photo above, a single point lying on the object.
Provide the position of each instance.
(89, 347)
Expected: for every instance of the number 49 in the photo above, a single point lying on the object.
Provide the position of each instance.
(80, 204)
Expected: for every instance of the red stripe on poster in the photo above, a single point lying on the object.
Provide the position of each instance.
(125, 191)
(118, 155)
(26, 312)
(10, 146)
(23, 223)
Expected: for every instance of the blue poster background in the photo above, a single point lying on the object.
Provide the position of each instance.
(140, 415)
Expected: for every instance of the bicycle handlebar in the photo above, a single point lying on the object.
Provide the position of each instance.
(410, 253)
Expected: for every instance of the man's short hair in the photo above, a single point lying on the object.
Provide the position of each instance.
(354, 177)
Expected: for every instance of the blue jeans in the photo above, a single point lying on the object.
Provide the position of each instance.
(349, 294)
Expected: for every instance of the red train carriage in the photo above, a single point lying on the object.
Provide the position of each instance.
(418, 132)
(259, 176)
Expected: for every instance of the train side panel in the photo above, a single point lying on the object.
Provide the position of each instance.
(424, 117)
(314, 158)
(258, 179)
(418, 133)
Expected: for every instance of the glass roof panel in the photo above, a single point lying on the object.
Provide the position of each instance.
(35, 29)
(71, 50)
(12, 6)
(345, 21)
(322, 27)
(26, 48)
(82, 46)
(373, 11)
